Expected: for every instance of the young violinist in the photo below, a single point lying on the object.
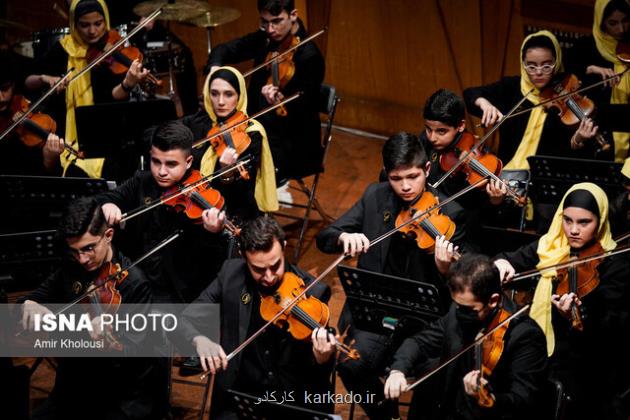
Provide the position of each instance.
(516, 382)
(274, 361)
(536, 132)
(225, 103)
(16, 158)
(594, 58)
(135, 387)
(295, 139)
(583, 329)
(89, 26)
(177, 275)
(407, 167)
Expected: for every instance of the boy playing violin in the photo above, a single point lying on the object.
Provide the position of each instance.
(274, 361)
(407, 167)
(515, 385)
(295, 139)
(132, 386)
(177, 275)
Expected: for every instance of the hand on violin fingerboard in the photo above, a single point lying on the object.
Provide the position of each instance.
(497, 191)
(323, 345)
(211, 354)
(213, 220)
(564, 303)
(587, 130)
(444, 253)
(272, 94)
(605, 73)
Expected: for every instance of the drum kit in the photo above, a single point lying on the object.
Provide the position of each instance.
(162, 58)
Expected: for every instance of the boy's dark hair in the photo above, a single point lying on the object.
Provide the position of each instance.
(403, 150)
(475, 272)
(275, 7)
(173, 135)
(620, 5)
(260, 233)
(446, 107)
(82, 216)
(539, 41)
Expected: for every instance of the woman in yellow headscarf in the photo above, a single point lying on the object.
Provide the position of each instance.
(594, 58)
(580, 225)
(247, 194)
(89, 24)
(536, 132)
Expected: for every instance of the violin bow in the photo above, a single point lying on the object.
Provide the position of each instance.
(256, 115)
(115, 275)
(481, 141)
(288, 50)
(186, 189)
(537, 271)
(35, 105)
(120, 42)
(336, 262)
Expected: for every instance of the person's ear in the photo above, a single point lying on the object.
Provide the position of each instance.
(427, 169)
(293, 15)
(189, 161)
(109, 234)
(494, 300)
(462, 126)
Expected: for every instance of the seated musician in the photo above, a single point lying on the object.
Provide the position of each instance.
(407, 167)
(275, 361)
(295, 139)
(225, 97)
(89, 26)
(16, 158)
(515, 383)
(176, 275)
(135, 387)
(444, 125)
(594, 57)
(590, 363)
(536, 132)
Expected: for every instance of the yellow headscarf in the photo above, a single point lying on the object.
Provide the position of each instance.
(265, 190)
(625, 169)
(553, 248)
(79, 92)
(607, 46)
(537, 116)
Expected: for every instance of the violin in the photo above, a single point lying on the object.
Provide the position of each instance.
(236, 138)
(487, 355)
(572, 108)
(478, 163)
(35, 128)
(194, 202)
(581, 280)
(428, 227)
(121, 59)
(282, 69)
(299, 318)
(105, 297)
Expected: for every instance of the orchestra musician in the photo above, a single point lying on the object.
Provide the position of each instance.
(89, 26)
(295, 139)
(16, 158)
(275, 361)
(590, 361)
(537, 132)
(176, 275)
(407, 168)
(135, 387)
(517, 381)
(594, 58)
(225, 96)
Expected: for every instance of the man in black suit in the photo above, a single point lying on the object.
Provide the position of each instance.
(407, 167)
(515, 383)
(275, 361)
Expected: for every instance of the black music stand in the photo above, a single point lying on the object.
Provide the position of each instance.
(383, 304)
(36, 202)
(552, 176)
(114, 131)
(26, 259)
(250, 407)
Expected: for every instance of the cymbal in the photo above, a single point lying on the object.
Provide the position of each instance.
(178, 10)
(217, 15)
(5, 23)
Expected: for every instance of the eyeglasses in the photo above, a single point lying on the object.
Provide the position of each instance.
(544, 69)
(275, 22)
(88, 249)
